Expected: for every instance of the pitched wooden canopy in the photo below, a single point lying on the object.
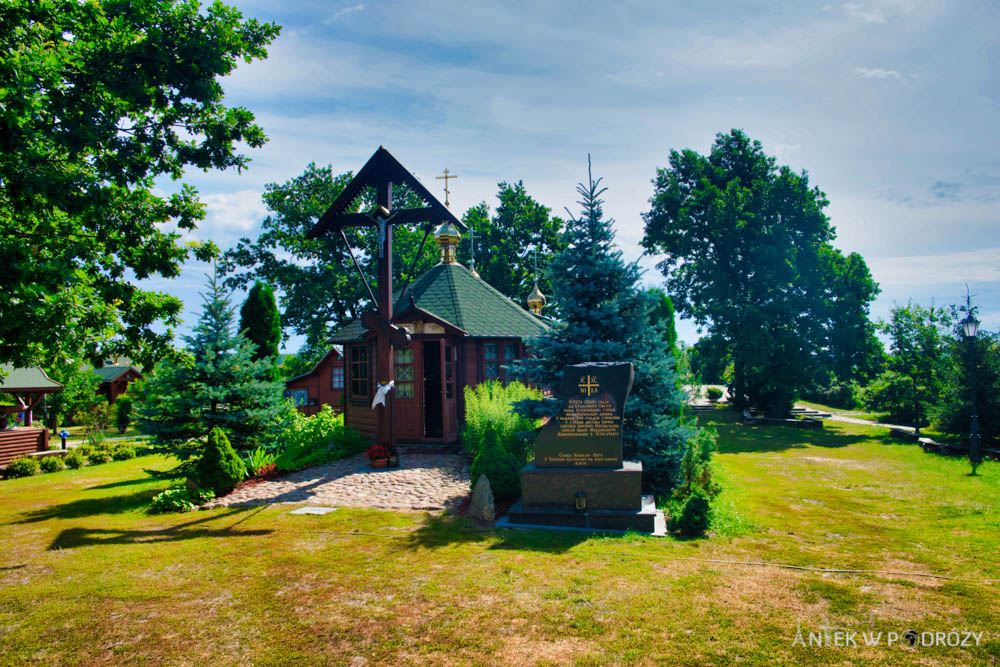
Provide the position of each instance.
(381, 168)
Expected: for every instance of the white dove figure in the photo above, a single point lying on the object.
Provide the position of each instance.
(381, 392)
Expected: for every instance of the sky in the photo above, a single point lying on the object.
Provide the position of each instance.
(890, 106)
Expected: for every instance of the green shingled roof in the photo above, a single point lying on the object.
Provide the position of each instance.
(454, 294)
(109, 373)
(26, 379)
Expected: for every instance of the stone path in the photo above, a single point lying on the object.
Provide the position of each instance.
(422, 482)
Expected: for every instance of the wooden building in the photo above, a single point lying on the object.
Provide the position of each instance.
(27, 387)
(323, 385)
(463, 332)
(115, 379)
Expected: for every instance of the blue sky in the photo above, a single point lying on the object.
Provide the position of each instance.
(891, 106)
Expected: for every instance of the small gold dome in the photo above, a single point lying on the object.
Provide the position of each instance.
(536, 301)
(448, 236)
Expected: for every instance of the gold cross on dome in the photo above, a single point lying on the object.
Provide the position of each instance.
(447, 175)
(589, 385)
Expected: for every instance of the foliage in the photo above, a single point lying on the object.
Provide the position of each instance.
(696, 466)
(853, 352)
(219, 468)
(179, 499)
(747, 255)
(693, 517)
(663, 314)
(99, 455)
(123, 413)
(218, 386)
(488, 409)
(78, 394)
(847, 396)
(301, 362)
(606, 317)
(320, 288)
(260, 321)
(308, 441)
(96, 417)
(713, 393)
(953, 414)
(85, 449)
(51, 463)
(377, 451)
(25, 466)
(709, 357)
(74, 459)
(912, 381)
(102, 101)
(500, 467)
(122, 452)
(505, 242)
(257, 460)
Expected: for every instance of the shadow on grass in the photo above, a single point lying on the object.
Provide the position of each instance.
(190, 530)
(154, 476)
(442, 531)
(738, 438)
(548, 541)
(92, 506)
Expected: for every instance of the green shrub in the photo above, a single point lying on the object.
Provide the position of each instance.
(123, 452)
(123, 413)
(309, 441)
(257, 459)
(74, 459)
(713, 393)
(219, 467)
(51, 463)
(488, 410)
(500, 467)
(693, 517)
(85, 450)
(179, 499)
(99, 455)
(25, 466)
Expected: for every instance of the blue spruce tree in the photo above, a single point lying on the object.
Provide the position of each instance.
(219, 384)
(605, 316)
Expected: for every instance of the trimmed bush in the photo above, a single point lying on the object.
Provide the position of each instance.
(123, 413)
(500, 467)
(310, 441)
(74, 459)
(713, 393)
(123, 453)
(51, 464)
(85, 450)
(219, 468)
(25, 466)
(488, 410)
(693, 517)
(99, 455)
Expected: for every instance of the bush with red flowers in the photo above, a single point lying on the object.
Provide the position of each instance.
(376, 452)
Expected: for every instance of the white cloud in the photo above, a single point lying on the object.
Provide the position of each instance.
(344, 12)
(974, 267)
(862, 13)
(230, 215)
(877, 73)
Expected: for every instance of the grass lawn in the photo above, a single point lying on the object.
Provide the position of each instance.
(89, 578)
(76, 433)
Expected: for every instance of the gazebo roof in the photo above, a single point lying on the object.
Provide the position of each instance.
(110, 373)
(31, 379)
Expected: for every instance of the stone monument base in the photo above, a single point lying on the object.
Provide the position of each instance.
(614, 498)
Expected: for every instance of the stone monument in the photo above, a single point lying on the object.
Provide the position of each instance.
(578, 478)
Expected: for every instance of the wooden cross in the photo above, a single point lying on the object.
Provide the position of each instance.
(380, 172)
(446, 176)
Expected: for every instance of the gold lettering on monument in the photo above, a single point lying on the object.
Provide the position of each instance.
(587, 418)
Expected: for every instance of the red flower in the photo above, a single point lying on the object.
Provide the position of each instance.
(378, 452)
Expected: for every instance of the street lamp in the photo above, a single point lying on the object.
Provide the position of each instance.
(970, 327)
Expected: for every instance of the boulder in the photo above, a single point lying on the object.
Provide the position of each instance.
(481, 508)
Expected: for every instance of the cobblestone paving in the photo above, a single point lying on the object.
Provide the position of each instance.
(422, 482)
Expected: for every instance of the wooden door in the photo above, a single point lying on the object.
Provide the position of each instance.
(450, 389)
(407, 405)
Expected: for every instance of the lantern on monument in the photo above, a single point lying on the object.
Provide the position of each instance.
(580, 501)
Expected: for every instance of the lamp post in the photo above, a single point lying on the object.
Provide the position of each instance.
(970, 327)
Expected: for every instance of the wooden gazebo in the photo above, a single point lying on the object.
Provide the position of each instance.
(28, 387)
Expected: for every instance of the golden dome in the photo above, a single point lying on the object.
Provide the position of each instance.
(536, 300)
(448, 236)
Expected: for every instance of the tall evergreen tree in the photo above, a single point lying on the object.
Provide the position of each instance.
(260, 321)
(607, 317)
(218, 385)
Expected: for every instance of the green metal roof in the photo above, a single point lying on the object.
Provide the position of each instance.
(452, 293)
(109, 373)
(26, 379)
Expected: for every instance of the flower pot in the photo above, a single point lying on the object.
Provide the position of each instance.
(379, 463)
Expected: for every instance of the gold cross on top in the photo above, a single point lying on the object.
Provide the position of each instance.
(589, 385)
(447, 175)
